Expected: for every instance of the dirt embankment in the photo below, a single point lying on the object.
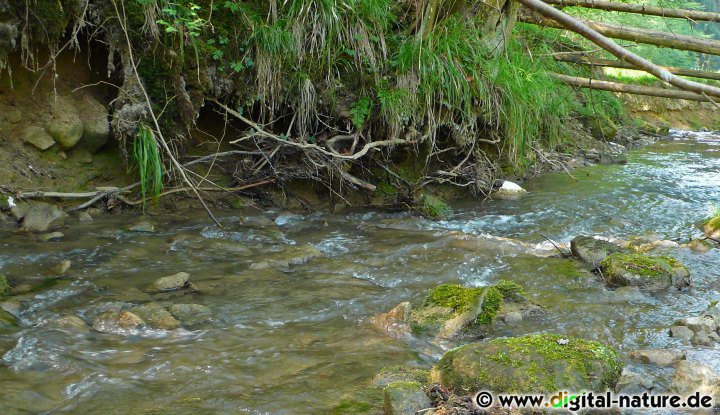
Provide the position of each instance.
(663, 113)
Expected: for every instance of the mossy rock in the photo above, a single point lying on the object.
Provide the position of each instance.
(4, 287)
(405, 398)
(368, 400)
(451, 310)
(645, 272)
(540, 363)
(392, 374)
(712, 227)
(592, 250)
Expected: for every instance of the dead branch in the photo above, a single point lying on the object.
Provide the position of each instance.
(628, 89)
(698, 16)
(574, 57)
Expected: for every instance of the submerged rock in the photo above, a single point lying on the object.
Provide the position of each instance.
(70, 323)
(593, 250)
(540, 363)
(405, 398)
(62, 267)
(191, 315)
(645, 272)
(389, 375)
(41, 216)
(296, 255)
(52, 236)
(169, 283)
(144, 226)
(658, 357)
(395, 320)
(117, 322)
(155, 316)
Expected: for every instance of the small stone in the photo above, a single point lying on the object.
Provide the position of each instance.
(509, 188)
(41, 216)
(62, 267)
(52, 236)
(38, 137)
(681, 332)
(155, 316)
(84, 217)
(142, 226)
(70, 323)
(191, 314)
(395, 320)
(169, 283)
(117, 322)
(659, 357)
(405, 398)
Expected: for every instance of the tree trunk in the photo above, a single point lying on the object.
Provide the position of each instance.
(639, 9)
(627, 89)
(647, 36)
(609, 63)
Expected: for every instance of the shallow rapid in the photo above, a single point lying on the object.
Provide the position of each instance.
(297, 339)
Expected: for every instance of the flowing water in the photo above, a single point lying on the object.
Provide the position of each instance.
(296, 340)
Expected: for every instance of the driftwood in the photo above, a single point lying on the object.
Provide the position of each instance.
(577, 26)
(627, 88)
(614, 6)
(616, 31)
(581, 58)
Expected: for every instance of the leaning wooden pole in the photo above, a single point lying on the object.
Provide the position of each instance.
(614, 6)
(621, 53)
(647, 36)
(627, 89)
(609, 63)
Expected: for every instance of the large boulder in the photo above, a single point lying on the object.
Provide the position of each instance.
(96, 126)
(648, 273)
(539, 363)
(65, 125)
(593, 250)
(41, 216)
(452, 311)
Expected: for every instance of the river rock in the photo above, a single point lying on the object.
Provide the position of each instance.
(142, 226)
(394, 321)
(509, 188)
(191, 315)
(712, 227)
(117, 322)
(38, 137)
(41, 216)
(593, 250)
(70, 323)
(84, 217)
(405, 398)
(96, 126)
(691, 377)
(7, 321)
(658, 357)
(296, 255)
(539, 363)
(393, 374)
(65, 126)
(681, 333)
(62, 267)
(645, 272)
(699, 245)
(52, 236)
(632, 383)
(155, 316)
(169, 283)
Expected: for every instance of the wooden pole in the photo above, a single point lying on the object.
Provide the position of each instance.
(614, 6)
(647, 36)
(609, 63)
(628, 89)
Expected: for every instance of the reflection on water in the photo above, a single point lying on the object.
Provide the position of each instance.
(286, 340)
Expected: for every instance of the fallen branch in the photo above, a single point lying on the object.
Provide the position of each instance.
(616, 31)
(581, 28)
(698, 16)
(628, 89)
(581, 58)
(187, 189)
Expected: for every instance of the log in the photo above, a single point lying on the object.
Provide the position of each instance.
(627, 88)
(609, 63)
(647, 36)
(614, 6)
(623, 54)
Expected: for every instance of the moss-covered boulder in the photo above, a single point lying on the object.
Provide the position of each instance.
(451, 310)
(592, 250)
(405, 398)
(645, 272)
(540, 363)
(712, 227)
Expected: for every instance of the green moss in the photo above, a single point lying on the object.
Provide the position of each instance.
(392, 374)
(350, 407)
(510, 290)
(491, 304)
(714, 222)
(646, 266)
(4, 287)
(454, 296)
(386, 189)
(434, 207)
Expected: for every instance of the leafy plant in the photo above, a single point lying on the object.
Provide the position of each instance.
(147, 160)
(360, 111)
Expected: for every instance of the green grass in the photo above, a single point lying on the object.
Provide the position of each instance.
(147, 160)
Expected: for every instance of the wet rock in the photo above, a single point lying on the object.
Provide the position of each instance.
(452, 311)
(96, 126)
(37, 137)
(7, 321)
(155, 316)
(512, 318)
(712, 228)
(296, 255)
(70, 323)
(142, 226)
(681, 332)
(633, 383)
(41, 216)
(658, 357)
(645, 272)
(5, 288)
(84, 217)
(395, 320)
(52, 236)
(191, 315)
(11, 306)
(21, 289)
(169, 283)
(405, 398)
(509, 188)
(133, 295)
(62, 267)
(65, 127)
(593, 250)
(699, 245)
(540, 363)
(691, 377)
(393, 374)
(117, 322)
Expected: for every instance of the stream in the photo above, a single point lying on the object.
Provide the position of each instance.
(297, 339)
